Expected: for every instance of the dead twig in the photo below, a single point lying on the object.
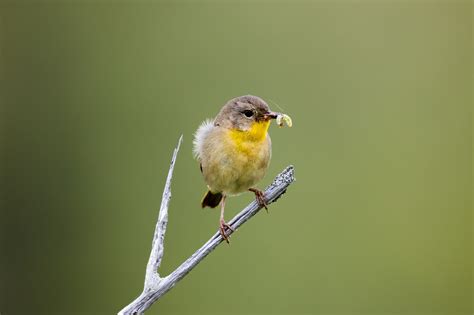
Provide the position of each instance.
(155, 285)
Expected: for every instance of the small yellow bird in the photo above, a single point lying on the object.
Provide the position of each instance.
(234, 151)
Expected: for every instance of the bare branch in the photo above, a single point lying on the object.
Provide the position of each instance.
(152, 276)
(155, 286)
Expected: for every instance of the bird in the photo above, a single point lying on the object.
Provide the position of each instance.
(234, 151)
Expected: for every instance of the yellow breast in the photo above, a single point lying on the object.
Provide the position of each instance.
(250, 141)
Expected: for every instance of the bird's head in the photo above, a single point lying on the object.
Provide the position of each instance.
(244, 113)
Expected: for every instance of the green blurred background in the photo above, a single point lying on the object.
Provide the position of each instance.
(95, 95)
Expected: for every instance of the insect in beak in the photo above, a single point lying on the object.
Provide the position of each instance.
(281, 119)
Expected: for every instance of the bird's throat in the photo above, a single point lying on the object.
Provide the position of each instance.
(256, 134)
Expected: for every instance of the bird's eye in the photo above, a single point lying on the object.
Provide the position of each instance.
(248, 113)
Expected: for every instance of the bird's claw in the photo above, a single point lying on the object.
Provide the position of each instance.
(260, 197)
(222, 227)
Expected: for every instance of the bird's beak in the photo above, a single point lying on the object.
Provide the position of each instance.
(270, 115)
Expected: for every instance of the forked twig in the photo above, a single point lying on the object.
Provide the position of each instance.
(155, 285)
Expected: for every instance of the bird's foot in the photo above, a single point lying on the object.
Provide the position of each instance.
(259, 196)
(222, 227)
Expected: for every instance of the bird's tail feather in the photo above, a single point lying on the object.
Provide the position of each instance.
(211, 200)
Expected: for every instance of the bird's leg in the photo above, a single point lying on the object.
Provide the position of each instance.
(222, 224)
(259, 197)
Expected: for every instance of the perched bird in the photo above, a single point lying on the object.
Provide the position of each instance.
(234, 151)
